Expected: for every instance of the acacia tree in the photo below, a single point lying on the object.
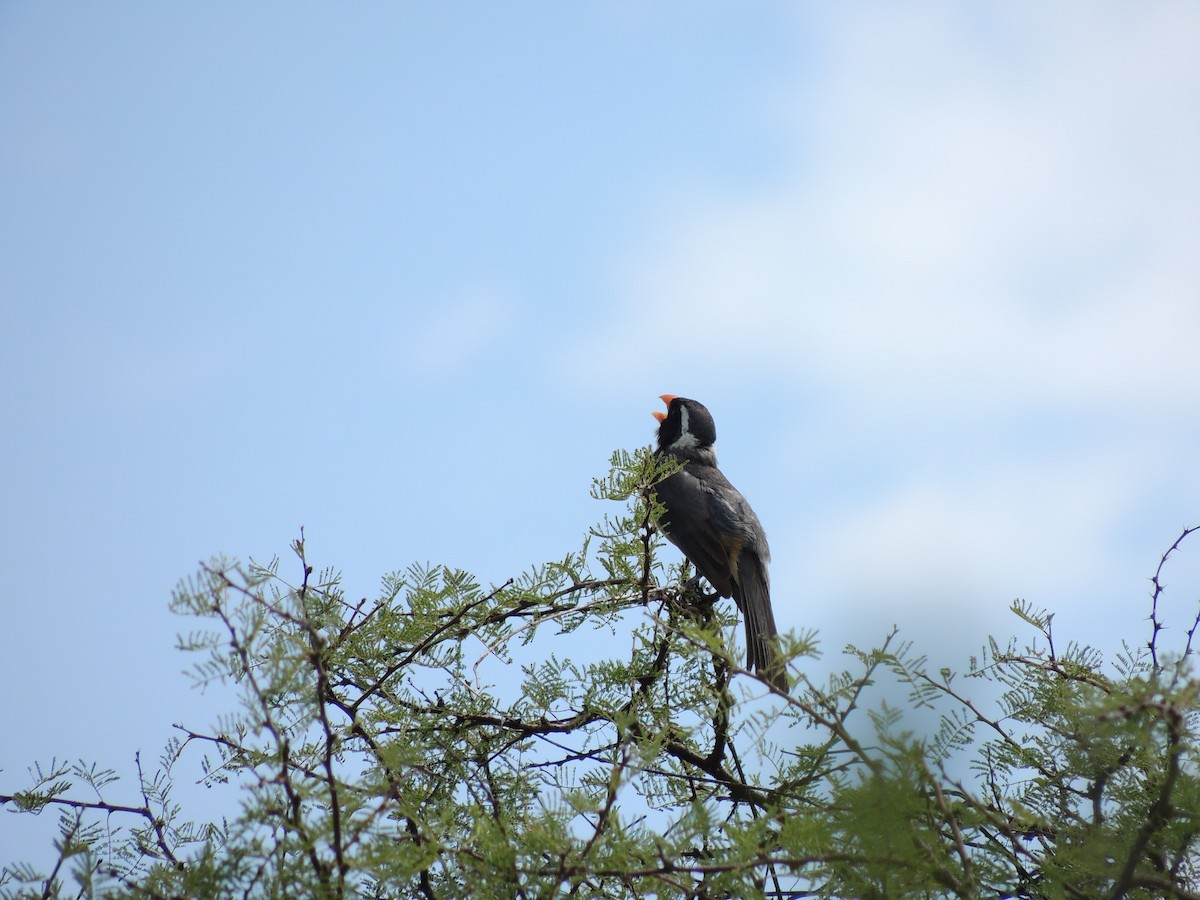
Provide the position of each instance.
(382, 750)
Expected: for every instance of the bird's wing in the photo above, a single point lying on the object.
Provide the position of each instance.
(711, 522)
(750, 584)
(694, 523)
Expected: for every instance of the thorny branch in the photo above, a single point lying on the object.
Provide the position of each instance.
(1156, 624)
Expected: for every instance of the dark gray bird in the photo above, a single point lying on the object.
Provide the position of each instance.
(710, 521)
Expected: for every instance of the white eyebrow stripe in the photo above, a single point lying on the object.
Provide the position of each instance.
(686, 440)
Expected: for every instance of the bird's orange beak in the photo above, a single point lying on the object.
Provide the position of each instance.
(666, 398)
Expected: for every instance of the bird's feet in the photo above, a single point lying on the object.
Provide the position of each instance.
(694, 595)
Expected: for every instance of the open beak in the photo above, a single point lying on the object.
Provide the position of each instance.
(666, 398)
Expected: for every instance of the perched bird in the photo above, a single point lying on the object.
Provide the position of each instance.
(710, 521)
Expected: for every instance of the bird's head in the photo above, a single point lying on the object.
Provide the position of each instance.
(686, 427)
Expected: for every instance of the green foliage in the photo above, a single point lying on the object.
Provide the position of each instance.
(386, 750)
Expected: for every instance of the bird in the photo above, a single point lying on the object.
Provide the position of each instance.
(709, 520)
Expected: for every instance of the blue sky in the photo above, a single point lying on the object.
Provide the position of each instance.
(406, 274)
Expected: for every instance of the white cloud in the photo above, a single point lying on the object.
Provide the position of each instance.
(972, 536)
(989, 218)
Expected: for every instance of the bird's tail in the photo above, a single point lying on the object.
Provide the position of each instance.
(752, 592)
